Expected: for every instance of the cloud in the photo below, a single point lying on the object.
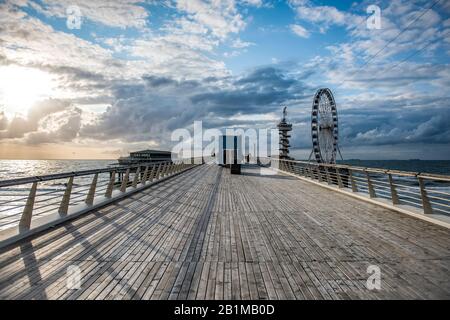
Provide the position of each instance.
(239, 44)
(220, 17)
(322, 16)
(120, 14)
(260, 91)
(299, 30)
(149, 111)
(19, 127)
(255, 3)
(3, 121)
(157, 80)
(59, 127)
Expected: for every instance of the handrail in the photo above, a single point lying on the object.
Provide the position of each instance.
(376, 183)
(83, 191)
(375, 170)
(62, 175)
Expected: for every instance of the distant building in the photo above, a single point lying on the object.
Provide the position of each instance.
(145, 156)
(284, 128)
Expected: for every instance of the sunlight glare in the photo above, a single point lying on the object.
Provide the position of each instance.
(21, 87)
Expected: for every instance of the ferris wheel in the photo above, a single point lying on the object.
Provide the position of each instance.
(324, 127)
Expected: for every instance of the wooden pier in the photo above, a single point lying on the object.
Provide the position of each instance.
(207, 234)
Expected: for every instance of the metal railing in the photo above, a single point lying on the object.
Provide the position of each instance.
(25, 199)
(428, 193)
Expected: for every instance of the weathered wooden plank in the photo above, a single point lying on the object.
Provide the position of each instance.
(206, 234)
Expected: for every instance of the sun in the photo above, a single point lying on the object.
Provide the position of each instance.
(22, 87)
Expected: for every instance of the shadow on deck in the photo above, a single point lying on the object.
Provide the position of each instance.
(207, 234)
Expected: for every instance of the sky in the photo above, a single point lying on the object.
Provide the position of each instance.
(83, 79)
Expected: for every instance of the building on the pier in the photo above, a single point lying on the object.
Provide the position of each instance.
(230, 153)
(284, 128)
(146, 156)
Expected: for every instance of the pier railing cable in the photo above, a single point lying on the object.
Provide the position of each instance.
(23, 201)
(419, 192)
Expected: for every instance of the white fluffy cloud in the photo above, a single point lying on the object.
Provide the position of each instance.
(118, 13)
(150, 80)
(299, 30)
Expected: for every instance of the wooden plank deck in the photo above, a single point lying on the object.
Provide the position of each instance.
(207, 234)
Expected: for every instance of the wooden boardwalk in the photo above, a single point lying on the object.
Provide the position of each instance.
(206, 234)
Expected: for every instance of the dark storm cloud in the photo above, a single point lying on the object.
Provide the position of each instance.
(261, 91)
(155, 81)
(160, 82)
(139, 115)
(430, 125)
(385, 122)
(152, 109)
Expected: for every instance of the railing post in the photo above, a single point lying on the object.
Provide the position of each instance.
(136, 177)
(304, 171)
(352, 181)
(310, 172)
(158, 171)
(319, 174)
(152, 173)
(394, 195)
(167, 169)
(294, 168)
(370, 186)
(174, 168)
(27, 214)
(123, 187)
(161, 170)
(427, 209)
(328, 175)
(339, 180)
(110, 187)
(64, 206)
(145, 176)
(317, 170)
(90, 196)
